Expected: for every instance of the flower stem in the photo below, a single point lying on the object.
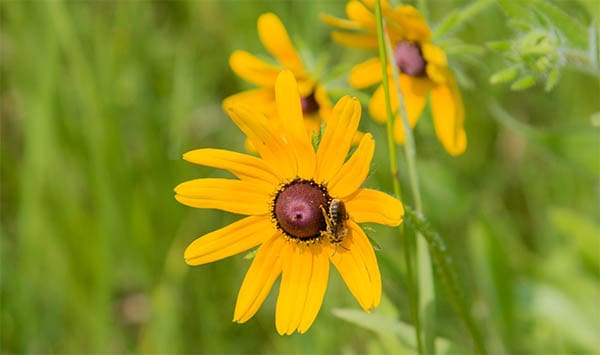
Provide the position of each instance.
(424, 264)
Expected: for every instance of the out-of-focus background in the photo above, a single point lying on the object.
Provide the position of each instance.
(99, 99)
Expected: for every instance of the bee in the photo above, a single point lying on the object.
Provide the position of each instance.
(335, 219)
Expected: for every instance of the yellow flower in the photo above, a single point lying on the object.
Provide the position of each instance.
(283, 192)
(423, 70)
(316, 106)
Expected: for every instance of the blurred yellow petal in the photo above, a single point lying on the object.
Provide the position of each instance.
(366, 74)
(263, 99)
(253, 69)
(290, 114)
(354, 172)
(267, 142)
(374, 206)
(233, 239)
(339, 23)
(355, 40)
(434, 54)
(276, 40)
(337, 138)
(448, 117)
(265, 269)
(377, 108)
(245, 167)
(357, 12)
(225, 194)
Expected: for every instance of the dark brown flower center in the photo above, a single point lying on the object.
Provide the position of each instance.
(309, 104)
(409, 58)
(296, 209)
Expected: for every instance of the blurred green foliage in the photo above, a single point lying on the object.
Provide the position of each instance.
(99, 99)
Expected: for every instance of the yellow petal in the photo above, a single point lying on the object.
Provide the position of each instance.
(267, 142)
(245, 167)
(290, 115)
(225, 194)
(303, 284)
(262, 99)
(366, 74)
(355, 40)
(265, 269)
(276, 40)
(374, 206)
(339, 23)
(337, 138)
(358, 13)
(448, 117)
(348, 260)
(253, 69)
(349, 178)
(370, 261)
(230, 240)
(316, 288)
(414, 91)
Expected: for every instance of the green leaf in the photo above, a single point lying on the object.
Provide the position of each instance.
(575, 32)
(505, 75)
(516, 9)
(501, 46)
(552, 79)
(523, 83)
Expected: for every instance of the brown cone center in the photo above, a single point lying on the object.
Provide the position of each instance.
(309, 104)
(297, 209)
(409, 58)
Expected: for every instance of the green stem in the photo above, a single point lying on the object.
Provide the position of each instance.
(442, 260)
(408, 247)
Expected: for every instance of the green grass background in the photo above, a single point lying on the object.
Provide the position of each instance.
(98, 101)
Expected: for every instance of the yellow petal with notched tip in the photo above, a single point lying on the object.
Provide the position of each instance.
(354, 172)
(265, 269)
(337, 138)
(230, 240)
(368, 205)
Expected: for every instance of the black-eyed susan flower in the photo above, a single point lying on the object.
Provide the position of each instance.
(422, 65)
(286, 194)
(316, 106)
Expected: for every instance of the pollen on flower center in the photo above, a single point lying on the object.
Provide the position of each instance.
(297, 211)
(409, 58)
(309, 104)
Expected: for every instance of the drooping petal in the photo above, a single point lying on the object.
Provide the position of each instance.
(267, 142)
(290, 115)
(355, 40)
(368, 205)
(265, 269)
(245, 167)
(354, 266)
(366, 74)
(302, 284)
(354, 172)
(253, 69)
(276, 40)
(230, 240)
(337, 138)
(448, 117)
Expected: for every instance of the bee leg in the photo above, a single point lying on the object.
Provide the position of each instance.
(326, 217)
